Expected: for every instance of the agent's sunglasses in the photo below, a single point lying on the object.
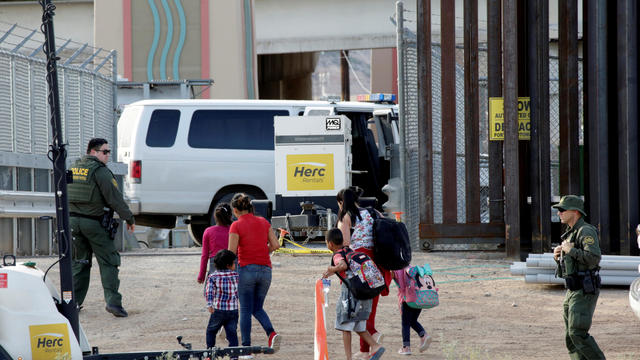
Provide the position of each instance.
(105, 152)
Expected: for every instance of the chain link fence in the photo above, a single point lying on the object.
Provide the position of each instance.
(86, 77)
(408, 102)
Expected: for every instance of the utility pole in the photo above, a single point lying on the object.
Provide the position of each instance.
(58, 155)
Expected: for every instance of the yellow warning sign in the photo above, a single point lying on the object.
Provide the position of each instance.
(496, 118)
(49, 341)
(310, 172)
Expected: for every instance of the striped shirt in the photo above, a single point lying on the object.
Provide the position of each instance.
(221, 290)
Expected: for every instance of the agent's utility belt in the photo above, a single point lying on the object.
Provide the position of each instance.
(106, 221)
(96, 218)
(589, 281)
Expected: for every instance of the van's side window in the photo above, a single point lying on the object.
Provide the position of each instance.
(163, 128)
(233, 129)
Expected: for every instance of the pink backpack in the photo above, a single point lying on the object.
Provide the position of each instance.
(421, 284)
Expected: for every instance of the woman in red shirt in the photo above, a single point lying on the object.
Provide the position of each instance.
(215, 238)
(252, 239)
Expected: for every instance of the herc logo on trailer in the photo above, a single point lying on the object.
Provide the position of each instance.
(310, 172)
(49, 341)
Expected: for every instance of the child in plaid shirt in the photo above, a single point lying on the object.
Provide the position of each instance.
(221, 293)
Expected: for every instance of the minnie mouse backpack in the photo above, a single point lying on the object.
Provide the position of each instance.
(421, 281)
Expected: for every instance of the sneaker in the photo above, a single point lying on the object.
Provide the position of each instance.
(274, 341)
(405, 350)
(425, 341)
(117, 311)
(378, 337)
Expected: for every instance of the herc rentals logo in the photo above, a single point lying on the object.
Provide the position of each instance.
(310, 172)
(49, 341)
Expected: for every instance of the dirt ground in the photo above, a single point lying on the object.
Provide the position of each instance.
(484, 312)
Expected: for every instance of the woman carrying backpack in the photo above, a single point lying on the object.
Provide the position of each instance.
(356, 225)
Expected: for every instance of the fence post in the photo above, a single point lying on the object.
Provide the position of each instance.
(472, 112)
(512, 186)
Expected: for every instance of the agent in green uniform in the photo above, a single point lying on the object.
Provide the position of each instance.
(93, 192)
(578, 257)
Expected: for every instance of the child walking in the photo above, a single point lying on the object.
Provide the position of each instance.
(214, 239)
(351, 313)
(221, 293)
(409, 314)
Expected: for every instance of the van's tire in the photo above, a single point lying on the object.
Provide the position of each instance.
(200, 223)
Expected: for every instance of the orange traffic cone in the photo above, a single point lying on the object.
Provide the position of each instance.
(320, 334)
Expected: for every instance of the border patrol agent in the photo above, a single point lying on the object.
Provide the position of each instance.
(93, 189)
(578, 257)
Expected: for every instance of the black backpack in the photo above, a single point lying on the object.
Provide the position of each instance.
(367, 281)
(391, 246)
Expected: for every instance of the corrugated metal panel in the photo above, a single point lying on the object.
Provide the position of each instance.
(72, 126)
(104, 109)
(21, 105)
(62, 92)
(6, 123)
(86, 107)
(39, 109)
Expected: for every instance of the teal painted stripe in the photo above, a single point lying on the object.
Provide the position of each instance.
(156, 39)
(472, 267)
(183, 34)
(248, 41)
(167, 41)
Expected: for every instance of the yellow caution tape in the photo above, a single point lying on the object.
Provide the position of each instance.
(302, 250)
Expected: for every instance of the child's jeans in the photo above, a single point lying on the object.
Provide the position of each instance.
(410, 319)
(220, 318)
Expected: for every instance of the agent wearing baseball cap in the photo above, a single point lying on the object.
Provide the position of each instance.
(578, 257)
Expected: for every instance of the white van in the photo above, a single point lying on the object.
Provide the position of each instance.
(186, 156)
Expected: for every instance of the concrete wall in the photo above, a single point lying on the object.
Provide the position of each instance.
(73, 19)
(227, 50)
(214, 45)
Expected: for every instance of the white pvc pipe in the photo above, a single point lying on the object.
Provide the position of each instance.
(518, 268)
(604, 264)
(537, 271)
(604, 257)
(606, 280)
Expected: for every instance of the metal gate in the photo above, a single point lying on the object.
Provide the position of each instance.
(462, 231)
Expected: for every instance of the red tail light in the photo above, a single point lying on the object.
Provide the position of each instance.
(135, 173)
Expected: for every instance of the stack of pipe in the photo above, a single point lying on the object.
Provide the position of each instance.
(614, 269)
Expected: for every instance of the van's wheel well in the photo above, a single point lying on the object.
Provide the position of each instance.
(200, 222)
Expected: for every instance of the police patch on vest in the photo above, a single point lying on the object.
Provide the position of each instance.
(113, 181)
(589, 240)
(79, 174)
